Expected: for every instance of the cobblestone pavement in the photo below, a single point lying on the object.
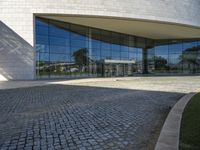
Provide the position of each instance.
(81, 117)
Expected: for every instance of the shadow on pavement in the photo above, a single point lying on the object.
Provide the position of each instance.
(82, 117)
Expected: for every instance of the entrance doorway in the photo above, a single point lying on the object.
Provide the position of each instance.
(118, 68)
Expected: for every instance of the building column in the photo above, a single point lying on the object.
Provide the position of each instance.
(144, 61)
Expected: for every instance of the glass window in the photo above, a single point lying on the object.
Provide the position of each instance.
(133, 56)
(44, 40)
(58, 41)
(76, 49)
(124, 55)
(188, 46)
(59, 58)
(105, 54)
(161, 50)
(96, 52)
(175, 48)
(79, 43)
(79, 33)
(116, 56)
(133, 50)
(59, 49)
(69, 50)
(124, 40)
(42, 22)
(95, 44)
(44, 57)
(105, 46)
(132, 41)
(124, 49)
(106, 37)
(141, 42)
(95, 57)
(56, 32)
(59, 29)
(42, 30)
(76, 36)
(42, 48)
(96, 34)
(175, 63)
(115, 47)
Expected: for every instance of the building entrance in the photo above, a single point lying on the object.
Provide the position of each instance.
(118, 68)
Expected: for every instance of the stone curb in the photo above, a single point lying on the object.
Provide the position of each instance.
(169, 136)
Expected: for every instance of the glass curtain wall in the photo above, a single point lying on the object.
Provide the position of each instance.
(70, 50)
(177, 57)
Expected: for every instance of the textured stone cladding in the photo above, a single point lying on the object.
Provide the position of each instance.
(16, 56)
(18, 16)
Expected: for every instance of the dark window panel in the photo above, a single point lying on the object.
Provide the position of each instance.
(141, 42)
(76, 36)
(124, 40)
(59, 24)
(116, 40)
(96, 34)
(79, 32)
(132, 41)
(106, 36)
(41, 22)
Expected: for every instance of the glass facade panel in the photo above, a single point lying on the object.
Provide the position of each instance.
(175, 53)
(190, 57)
(69, 50)
(161, 57)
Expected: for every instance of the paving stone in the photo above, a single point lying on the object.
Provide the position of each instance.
(77, 117)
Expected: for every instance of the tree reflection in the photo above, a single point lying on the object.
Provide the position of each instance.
(82, 60)
(81, 56)
(160, 63)
(190, 58)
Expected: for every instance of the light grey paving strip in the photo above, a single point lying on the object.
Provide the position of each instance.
(169, 136)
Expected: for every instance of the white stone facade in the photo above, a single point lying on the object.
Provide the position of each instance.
(18, 15)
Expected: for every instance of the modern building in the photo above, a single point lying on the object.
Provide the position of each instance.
(91, 38)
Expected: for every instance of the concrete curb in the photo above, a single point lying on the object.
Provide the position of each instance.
(169, 136)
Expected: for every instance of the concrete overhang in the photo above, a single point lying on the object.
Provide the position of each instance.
(144, 28)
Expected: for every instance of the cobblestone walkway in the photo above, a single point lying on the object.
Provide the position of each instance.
(78, 117)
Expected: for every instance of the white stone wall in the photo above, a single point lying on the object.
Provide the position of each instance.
(18, 14)
(16, 56)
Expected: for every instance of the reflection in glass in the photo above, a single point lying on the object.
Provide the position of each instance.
(69, 50)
